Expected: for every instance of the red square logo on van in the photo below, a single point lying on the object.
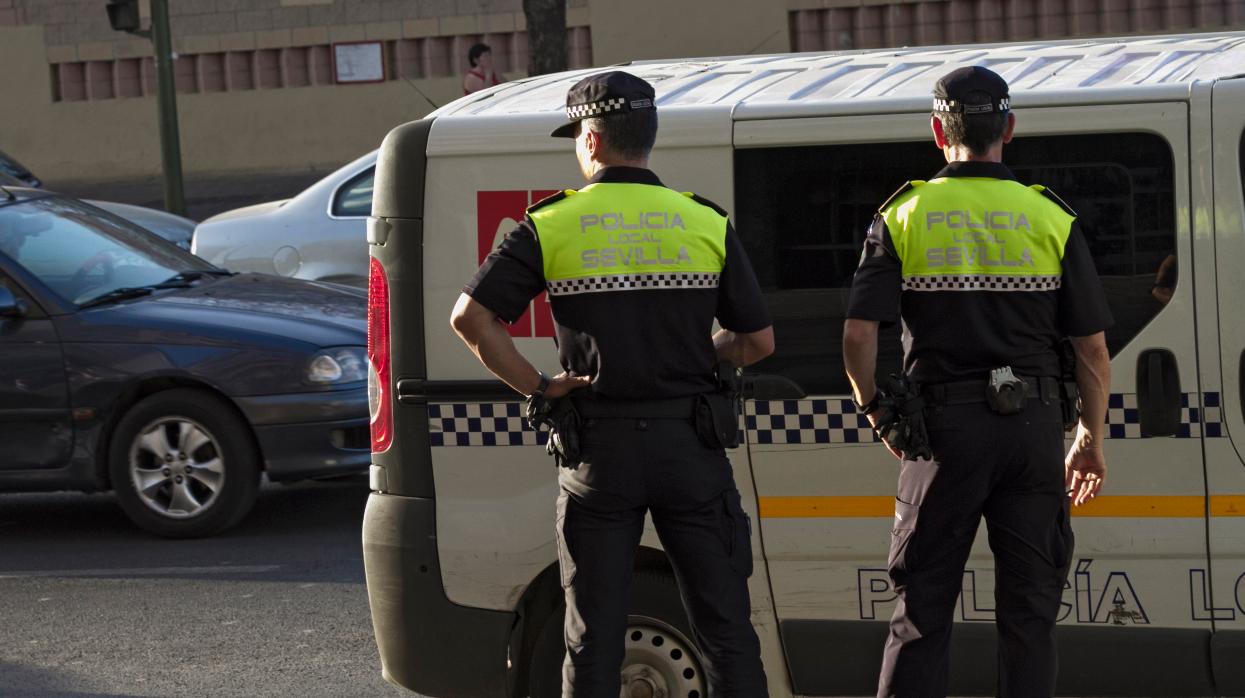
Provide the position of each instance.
(497, 213)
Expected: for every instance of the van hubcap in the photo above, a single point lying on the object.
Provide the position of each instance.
(176, 467)
(660, 662)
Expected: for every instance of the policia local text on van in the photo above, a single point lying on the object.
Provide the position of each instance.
(636, 274)
(987, 276)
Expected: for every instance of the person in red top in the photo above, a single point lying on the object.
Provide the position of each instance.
(481, 74)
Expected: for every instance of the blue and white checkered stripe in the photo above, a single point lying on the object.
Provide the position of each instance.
(778, 422)
(818, 421)
(1124, 418)
(481, 424)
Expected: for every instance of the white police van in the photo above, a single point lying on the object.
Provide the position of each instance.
(1145, 137)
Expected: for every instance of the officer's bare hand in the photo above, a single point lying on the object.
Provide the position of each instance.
(562, 384)
(1085, 469)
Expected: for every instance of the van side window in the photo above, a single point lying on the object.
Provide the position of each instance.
(802, 214)
(354, 198)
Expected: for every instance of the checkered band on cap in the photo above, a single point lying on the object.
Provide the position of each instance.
(951, 105)
(982, 282)
(591, 109)
(633, 282)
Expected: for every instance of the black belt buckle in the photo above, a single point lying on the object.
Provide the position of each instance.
(1005, 392)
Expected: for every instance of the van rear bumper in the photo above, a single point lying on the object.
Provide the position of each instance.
(427, 643)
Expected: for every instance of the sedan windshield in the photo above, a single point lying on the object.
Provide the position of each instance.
(82, 253)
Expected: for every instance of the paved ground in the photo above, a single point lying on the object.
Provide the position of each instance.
(275, 607)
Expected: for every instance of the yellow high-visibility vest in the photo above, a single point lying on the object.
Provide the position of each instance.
(978, 234)
(623, 236)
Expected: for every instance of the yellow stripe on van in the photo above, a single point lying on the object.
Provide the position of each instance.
(1118, 506)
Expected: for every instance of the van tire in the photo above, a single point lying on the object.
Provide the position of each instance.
(656, 609)
(222, 453)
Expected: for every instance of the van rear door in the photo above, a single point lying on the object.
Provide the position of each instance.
(806, 189)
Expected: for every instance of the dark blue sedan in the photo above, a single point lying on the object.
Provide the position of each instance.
(129, 364)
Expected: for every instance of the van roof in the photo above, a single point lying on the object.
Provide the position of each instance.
(1096, 71)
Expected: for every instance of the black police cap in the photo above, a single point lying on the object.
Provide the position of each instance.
(605, 94)
(952, 91)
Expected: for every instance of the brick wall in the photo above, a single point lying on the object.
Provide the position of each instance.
(827, 25)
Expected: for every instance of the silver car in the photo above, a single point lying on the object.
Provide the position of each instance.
(318, 235)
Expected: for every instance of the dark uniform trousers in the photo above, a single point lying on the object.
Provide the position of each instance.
(1009, 469)
(631, 466)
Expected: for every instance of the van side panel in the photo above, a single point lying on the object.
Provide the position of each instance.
(805, 191)
(496, 487)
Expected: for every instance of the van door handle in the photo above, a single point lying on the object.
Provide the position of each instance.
(1158, 393)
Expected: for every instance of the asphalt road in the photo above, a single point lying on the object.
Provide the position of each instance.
(91, 606)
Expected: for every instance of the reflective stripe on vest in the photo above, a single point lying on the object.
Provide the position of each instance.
(978, 234)
(620, 236)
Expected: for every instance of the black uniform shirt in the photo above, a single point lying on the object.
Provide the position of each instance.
(636, 344)
(961, 335)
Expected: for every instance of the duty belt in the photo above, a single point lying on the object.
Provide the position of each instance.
(670, 408)
(1044, 388)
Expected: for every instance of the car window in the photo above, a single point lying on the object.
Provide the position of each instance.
(802, 213)
(354, 198)
(81, 253)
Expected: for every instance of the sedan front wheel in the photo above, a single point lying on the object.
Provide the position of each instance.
(183, 464)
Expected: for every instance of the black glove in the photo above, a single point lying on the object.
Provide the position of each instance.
(562, 420)
(901, 424)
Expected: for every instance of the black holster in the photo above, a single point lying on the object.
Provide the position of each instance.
(717, 413)
(717, 419)
(1070, 404)
(1069, 393)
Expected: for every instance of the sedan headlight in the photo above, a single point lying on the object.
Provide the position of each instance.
(338, 365)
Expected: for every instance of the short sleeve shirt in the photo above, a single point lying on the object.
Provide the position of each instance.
(635, 344)
(951, 335)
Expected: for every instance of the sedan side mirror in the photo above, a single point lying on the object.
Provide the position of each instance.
(11, 305)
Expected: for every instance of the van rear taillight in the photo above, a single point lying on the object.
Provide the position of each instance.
(380, 403)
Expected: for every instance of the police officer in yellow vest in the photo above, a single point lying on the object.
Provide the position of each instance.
(636, 274)
(987, 276)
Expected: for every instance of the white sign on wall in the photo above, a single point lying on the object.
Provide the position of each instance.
(361, 61)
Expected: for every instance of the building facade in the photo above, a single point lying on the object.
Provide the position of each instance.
(259, 88)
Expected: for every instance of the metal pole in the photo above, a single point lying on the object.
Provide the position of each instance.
(170, 140)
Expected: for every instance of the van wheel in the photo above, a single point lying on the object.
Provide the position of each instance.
(660, 659)
(183, 464)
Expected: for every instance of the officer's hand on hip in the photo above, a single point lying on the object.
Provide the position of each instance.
(562, 384)
(1085, 469)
